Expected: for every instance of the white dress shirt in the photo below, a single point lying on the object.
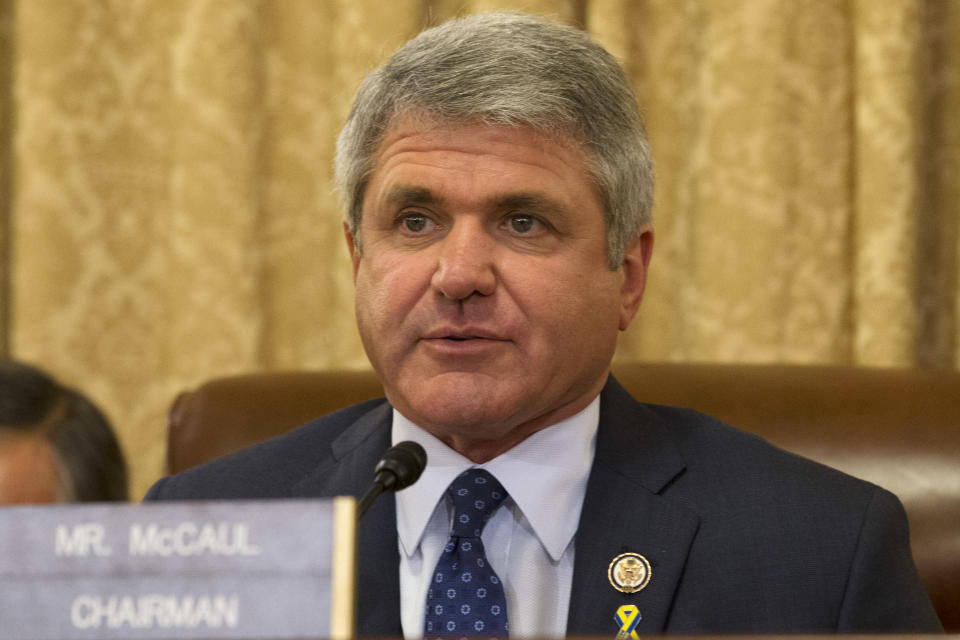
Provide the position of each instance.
(529, 539)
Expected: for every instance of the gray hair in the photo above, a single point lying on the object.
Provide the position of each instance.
(510, 69)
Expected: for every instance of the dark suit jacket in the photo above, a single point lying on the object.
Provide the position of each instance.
(742, 537)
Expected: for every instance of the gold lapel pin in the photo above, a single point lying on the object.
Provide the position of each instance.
(629, 572)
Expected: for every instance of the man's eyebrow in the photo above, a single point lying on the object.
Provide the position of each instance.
(527, 201)
(524, 201)
(412, 195)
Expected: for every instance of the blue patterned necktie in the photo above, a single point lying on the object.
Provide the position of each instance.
(466, 597)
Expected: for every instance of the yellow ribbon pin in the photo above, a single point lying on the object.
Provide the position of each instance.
(627, 617)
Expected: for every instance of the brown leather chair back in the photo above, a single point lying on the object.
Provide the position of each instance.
(897, 428)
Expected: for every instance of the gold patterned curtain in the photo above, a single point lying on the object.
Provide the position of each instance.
(167, 213)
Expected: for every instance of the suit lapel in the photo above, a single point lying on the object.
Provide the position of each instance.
(624, 511)
(349, 471)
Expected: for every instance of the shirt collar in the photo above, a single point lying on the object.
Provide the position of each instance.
(558, 457)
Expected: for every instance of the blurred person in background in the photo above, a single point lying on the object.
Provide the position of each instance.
(55, 444)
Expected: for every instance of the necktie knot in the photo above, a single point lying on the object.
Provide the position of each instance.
(476, 495)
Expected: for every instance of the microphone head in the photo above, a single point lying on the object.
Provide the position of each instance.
(400, 466)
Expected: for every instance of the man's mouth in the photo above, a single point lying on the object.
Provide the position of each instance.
(462, 336)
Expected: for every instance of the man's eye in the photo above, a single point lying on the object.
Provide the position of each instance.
(522, 224)
(415, 223)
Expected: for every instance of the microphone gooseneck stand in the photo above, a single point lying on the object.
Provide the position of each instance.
(399, 468)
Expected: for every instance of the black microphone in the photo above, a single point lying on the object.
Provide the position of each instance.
(399, 468)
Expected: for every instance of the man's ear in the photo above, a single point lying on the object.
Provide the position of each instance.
(352, 248)
(636, 263)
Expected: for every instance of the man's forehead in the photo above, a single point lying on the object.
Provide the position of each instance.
(429, 125)
(420, 161)
(522, 144)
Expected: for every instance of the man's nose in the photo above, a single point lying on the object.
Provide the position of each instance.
(466, 263)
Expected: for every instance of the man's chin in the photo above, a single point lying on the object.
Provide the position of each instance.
(460, 403)
(459, 416)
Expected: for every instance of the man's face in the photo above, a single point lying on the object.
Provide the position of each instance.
(483, 294)
(27, 469)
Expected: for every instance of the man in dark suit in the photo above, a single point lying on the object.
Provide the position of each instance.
(498, 188)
